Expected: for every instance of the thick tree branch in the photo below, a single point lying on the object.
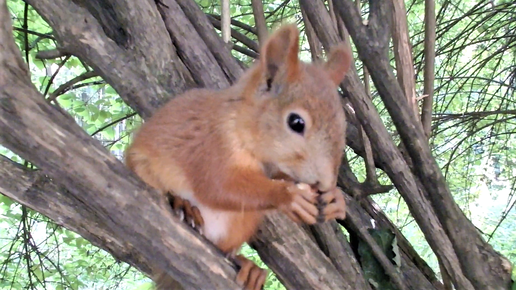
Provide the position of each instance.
(477, 255)
(315, 45)
(36, 190)
(334, 244)
(200, 60)
(279, 243)
(390, 157)
(403, 54)
(144, 56)
(203, 25)
(99, 186)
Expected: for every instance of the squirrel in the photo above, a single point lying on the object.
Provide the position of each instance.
(272, 141)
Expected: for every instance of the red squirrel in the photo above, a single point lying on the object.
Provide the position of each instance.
(272, 141)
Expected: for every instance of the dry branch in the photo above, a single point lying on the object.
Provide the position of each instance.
(403, 54)
(259, 19)
(237, 35)
(475, 257)
(429, 77)
(225, 20)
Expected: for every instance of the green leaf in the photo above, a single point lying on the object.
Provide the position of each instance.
(93, 109)
(36, 270)
(373, 270)
(73, 62)
(109, 90)
(67, 96)
(39, 64)
(109, 133)
(94, 117)
(104, 115)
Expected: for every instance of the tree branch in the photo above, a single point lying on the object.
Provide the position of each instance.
(381, 140)
(142, 56)
(103, 195)
(51, 54)
(259, 20)
(68, 85)
(403, 54)
(200, 61)
(204, 27)
(237, 35)
(429, 77)
(475, 256)
(280, 242)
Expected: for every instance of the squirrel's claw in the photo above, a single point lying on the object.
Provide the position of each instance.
(331, 205)
(186, 212)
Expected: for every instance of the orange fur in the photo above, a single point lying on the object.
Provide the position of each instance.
(220, 149)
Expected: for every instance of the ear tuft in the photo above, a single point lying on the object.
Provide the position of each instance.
(280, 52)
(338, 63)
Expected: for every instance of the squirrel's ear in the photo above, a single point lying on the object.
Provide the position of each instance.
(280, 53)
(338, 63)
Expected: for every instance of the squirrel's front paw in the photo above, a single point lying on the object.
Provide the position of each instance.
(331, 205)
(303, 206)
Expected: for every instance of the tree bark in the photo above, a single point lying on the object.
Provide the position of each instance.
(279, 244)
(403, 54)
(481, 264)
(140, 55)
(429, 77)
(103, 198)
(259, 20)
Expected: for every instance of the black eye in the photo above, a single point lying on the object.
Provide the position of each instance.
(296, 123)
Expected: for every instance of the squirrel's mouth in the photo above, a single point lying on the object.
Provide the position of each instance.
(283, 176)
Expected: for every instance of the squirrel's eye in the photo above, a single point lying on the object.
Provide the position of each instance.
(296, 123)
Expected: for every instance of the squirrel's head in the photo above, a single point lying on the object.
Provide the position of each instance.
(299, 122)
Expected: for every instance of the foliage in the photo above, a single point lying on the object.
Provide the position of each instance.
(473, 136)
(373, 271)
